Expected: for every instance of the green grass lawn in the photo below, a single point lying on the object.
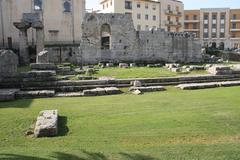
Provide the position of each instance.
(140, 72)
(178, 125)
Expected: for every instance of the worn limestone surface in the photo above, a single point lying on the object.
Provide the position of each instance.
(8, 94)
(147, 89)
(220, 70)
(193, 86)
(42, 57)
(105, 39)
(43, 66)
(8, 63)
(47, 124)
(102, 91)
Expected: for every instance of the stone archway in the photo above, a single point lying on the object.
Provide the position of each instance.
(105, 37)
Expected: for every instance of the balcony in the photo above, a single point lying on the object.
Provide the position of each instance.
(171, 23)
(191, 21)
(235, 29)
(173, 12)
(235, 20)
(191, 30)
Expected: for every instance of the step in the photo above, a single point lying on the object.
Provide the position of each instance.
(35, 94)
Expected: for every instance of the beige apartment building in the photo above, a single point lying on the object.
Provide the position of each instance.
(149, 14)
(215, 27)
(62, 21)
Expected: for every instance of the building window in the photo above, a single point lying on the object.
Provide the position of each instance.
(128, 5)
(138, 16)
(138, 5)
(206, 17)
(111, 3)
(222, 35)
(177, 9)
(169, 7)
(234, 16)
(169, 28)
(154, 7)
(222, 16)
(195, 17)
(205, 35)
(138, 27)
(194, 26)
(146, 5)
(214, 16)
(169, 18)
(146, 28)
(186, 17)
(186, 26)
(103, 6)
(234, 26)
(38, 5)
(177, 19)
(154, 18)
(146, 17)
(67, 6)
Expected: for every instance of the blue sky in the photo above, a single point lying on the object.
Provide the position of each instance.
(190, 4)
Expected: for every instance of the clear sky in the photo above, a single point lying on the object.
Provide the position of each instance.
(189, 4)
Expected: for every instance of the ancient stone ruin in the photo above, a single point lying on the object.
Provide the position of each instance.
(29, 20)
(47, 124)
(8, 63)
(106, 39)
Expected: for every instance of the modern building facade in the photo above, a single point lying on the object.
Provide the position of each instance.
(149, 14)
(215, 27)
(62, 21)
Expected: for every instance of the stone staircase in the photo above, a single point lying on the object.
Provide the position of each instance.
(38, 84)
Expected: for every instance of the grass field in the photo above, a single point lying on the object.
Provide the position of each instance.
(178, 125)
(140, 72)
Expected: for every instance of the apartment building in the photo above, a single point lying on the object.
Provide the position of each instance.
(149, 14)
(215, 27)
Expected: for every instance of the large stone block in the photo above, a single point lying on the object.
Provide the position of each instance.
(8, 63)
(43, 57)
(43, 66)
(220, 70)
(8, 94)
(147, 89)
(102, 91)
(47, 124)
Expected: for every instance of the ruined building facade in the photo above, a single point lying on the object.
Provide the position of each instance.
(113, 38)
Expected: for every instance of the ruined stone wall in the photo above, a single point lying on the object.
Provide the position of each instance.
(128, 45)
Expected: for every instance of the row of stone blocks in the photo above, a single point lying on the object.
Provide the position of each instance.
(208, 85)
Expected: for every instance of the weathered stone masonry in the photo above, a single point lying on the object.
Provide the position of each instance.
(112, 38)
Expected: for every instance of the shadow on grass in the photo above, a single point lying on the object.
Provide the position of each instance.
(62, 126)
(85, 156)
(21, 103)
(19, 157)
(136, 156)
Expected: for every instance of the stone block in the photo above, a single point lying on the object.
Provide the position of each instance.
(220, 70)
(8, 94)
(109, 65)
(147, 89)
(43, 57)
(136, 83)
(123, 65)
(102, 91)
(35, 94)
(47, 124)
(43, 66)
(8, 63)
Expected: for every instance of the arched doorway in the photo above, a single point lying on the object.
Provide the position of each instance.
(105, 37)
(221, 46)
(214, 45)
